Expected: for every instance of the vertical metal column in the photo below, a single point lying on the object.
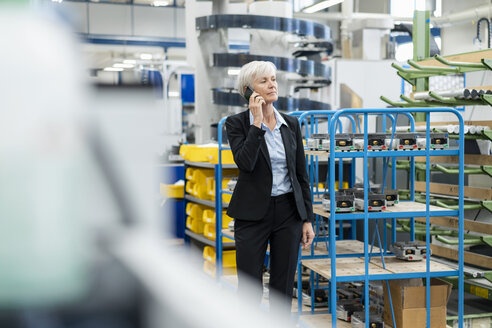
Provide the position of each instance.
(421, 36)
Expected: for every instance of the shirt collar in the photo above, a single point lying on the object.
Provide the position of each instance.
(280, 119)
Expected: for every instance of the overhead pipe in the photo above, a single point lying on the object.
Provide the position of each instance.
(462, 16)
(445, 20)
(340, 16)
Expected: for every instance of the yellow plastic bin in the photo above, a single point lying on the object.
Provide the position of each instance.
(210, 269)
(189, 173)
(209, 232)
(193, 153)
(189, 187)
(172, 191)
(226, 198)
(227, 157)
(200, 178)
(197, 226)
(209, 217)
(197, 211)
(189, 206)
(228, 257)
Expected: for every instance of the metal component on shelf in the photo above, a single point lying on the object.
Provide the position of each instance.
(230, 226)
(407, 141)
(344, 202)
(321, 141)
(390, 142)
(392, 196)
(437, 140)
(376, 202)
(358, 141)
(315, 142)
(346, 308)
(230, 97)
(375, 141)
(290, 25)
(292, 65)
(359, 321)
(343, 142)
(410, 251)
(344, 293)
(232, 184)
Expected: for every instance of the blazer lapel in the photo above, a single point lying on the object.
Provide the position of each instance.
(264, 150)
(263, 145)
(289, 141)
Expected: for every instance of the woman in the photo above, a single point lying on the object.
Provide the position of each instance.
(272, 199)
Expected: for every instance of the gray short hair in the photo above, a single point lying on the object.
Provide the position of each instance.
(250, 71)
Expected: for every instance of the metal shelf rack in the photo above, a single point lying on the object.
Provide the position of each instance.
(218, 205)
(366, 267)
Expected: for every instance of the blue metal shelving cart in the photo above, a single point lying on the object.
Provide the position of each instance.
(361, 266)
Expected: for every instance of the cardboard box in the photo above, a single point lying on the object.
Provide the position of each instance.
(409, 304)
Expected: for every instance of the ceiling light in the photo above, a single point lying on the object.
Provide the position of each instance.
(233, 71)
(113, 69)
(160, 3)
(173, 94)
(320, 6)
(59, 1)
(146, 56)
(123, 65)
(130, 61)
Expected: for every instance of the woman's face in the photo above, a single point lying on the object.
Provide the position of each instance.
(266, 86)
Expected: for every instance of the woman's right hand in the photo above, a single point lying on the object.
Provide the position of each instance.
(255, 106)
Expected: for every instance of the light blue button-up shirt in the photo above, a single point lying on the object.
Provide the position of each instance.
(281, 181)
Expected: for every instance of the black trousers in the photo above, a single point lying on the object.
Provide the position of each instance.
(282, 227)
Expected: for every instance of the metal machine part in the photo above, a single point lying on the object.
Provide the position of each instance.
(343, 142)
(232, 184)
(407, 141)
(348, 294)
(311, 47)
(391, 143)
(345, 309)
(292, 65)
(282, 24)
(344, 202)
(437, 141)
(391, 196)
(315, 142)
(230, 97)
(321, 141)
(376, 202)
(359, 321)
(375, 141)
(410, 251)
(320, 298)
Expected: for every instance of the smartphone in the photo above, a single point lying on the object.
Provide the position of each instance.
(248, 93)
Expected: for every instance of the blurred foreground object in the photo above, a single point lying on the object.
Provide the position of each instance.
(41, 236)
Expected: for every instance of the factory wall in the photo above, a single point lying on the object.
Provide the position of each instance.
(458, 38)
(126, 20)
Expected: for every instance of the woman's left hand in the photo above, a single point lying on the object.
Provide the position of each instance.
(307, 234)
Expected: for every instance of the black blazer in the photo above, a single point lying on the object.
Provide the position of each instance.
(253, 190)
